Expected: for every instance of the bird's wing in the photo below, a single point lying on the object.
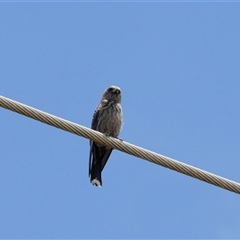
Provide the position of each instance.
(95, 119)
(93, 126)
(90, 158)
(105, 152)
(106, 155)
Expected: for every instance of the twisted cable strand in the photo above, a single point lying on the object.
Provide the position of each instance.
(120, 145)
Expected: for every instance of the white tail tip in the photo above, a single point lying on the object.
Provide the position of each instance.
(96, 182)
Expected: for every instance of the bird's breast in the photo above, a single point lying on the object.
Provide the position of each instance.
(110, 120)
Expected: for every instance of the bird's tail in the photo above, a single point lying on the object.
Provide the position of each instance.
(96, 178)
(95, 173)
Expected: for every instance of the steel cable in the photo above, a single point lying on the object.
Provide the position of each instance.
(119, 145)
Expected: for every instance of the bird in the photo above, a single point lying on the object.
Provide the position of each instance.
(107, 119)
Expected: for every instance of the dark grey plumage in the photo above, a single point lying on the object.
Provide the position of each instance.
(107, 119)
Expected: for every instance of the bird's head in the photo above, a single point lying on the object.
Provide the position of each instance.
(113, 93)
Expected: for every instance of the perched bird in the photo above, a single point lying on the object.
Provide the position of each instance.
(107, 119)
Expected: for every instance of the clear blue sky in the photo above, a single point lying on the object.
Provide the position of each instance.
(178, 65)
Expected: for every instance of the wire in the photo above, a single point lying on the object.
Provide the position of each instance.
(119, 145)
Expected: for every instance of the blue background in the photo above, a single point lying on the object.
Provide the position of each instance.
(178, 65)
